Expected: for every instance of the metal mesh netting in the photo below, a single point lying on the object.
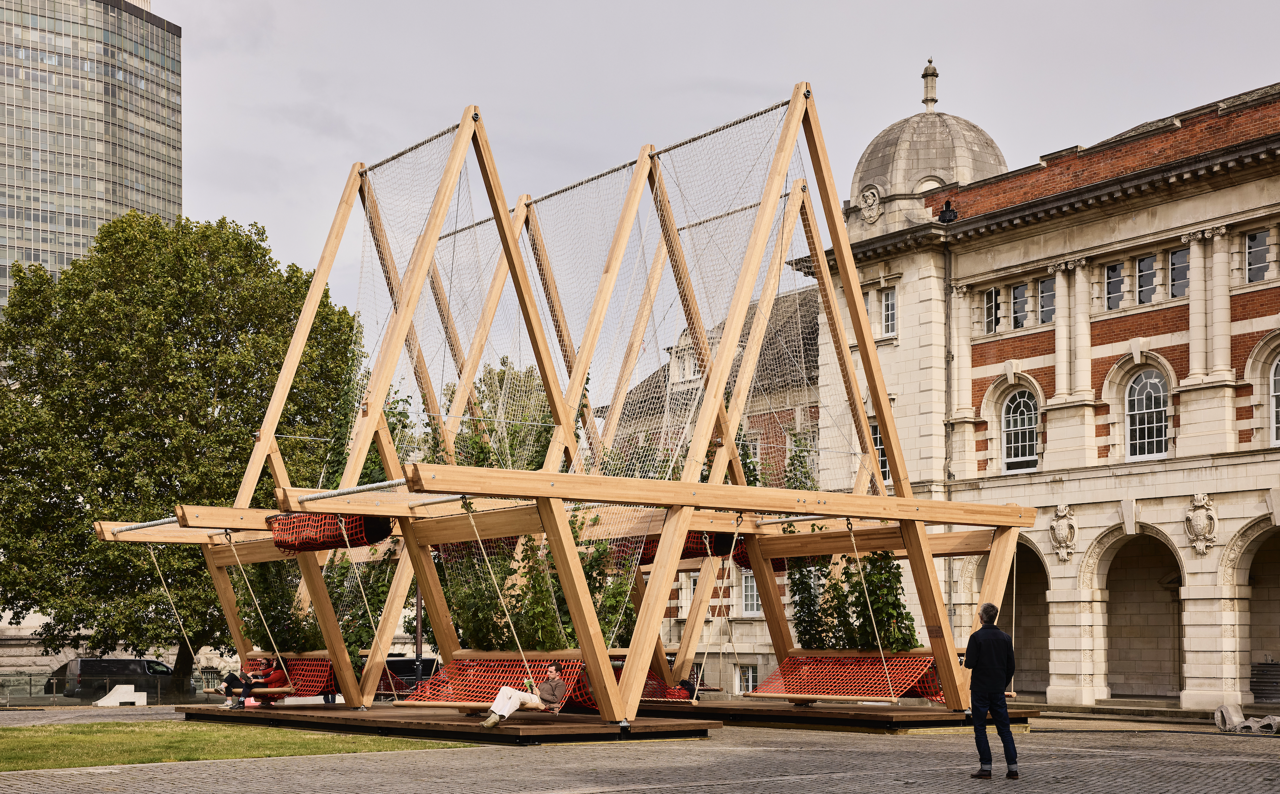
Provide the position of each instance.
(645, 384)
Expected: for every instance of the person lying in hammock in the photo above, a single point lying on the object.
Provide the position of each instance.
(271, 676)
(549, 697)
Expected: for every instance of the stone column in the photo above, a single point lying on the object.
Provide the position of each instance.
(1215, 623)
(1221, 290)
(964, 464)
(1199, 319)
(1082, 380)
(1077, 647)
(1129, 283)
(1061, 333)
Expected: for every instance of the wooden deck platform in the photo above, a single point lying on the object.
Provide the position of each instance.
(522, 728)
(875, 718)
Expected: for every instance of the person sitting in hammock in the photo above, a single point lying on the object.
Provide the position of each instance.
(271, 676)
(549, 697)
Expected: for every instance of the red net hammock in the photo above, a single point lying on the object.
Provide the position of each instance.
(312, 677)
(323, 531)
(859, 676)
(478, 681)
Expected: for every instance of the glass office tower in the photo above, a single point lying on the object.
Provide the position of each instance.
(92, 124)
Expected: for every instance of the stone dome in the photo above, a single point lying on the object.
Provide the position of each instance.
(925, 151)
(913, 155)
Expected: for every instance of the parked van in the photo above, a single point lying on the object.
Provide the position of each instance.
(91, 679)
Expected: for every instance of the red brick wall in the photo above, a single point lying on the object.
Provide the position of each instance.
(1262, 303)
(1043, 376)
(997, 352)
(1203, 133)
(1145, 324)
(1241, 346)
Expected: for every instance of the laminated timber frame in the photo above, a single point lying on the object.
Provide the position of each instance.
(683, 502)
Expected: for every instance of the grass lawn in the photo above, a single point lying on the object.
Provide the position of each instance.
(111, 743)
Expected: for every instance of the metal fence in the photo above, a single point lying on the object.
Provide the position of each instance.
(23, 689)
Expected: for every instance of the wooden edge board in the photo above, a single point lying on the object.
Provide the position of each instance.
(273, 690)
(837, 541)
(286, 655)
(806, 698)
(426, 478)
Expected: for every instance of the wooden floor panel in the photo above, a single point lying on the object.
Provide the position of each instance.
(521, 728)
(823, 716)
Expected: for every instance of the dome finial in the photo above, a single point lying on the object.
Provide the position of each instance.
(930, 86)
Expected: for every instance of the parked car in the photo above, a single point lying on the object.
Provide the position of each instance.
(91, 679)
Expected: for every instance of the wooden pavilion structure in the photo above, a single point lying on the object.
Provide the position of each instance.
(239, 534)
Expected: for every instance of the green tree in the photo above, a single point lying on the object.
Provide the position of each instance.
(133, 383)
(887, 607)
(806, 576)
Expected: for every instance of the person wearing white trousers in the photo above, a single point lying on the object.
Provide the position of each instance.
(549, 697)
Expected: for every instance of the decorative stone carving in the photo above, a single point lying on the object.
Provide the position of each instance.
(1192, 237)
(869, 201)
(1089, 566)
(1062, 531)
(1202, 523)
(1235, 548)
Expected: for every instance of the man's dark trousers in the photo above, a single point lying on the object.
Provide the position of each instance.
(995, 703)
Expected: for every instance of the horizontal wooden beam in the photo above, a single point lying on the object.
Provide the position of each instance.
(210, 517)
(223, 556)
(426, 478)
(168, 533)
(303, 655)
(837, 541)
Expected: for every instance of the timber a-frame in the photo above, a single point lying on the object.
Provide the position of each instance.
(893, 523)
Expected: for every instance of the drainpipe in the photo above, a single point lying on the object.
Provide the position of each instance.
(948, 359)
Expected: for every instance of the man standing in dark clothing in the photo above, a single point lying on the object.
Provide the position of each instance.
(990, 657)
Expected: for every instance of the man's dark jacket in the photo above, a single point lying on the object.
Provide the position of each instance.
(990, 657)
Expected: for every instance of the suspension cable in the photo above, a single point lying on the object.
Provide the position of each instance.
(172, 604)
(857, 560)
(258, 607)
(468, 508)
(342, 525)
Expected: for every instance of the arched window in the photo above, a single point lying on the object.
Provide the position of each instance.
(1147, 416)
(1275, 404)
(1021, 417)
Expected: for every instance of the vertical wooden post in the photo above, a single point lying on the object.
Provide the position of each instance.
(775, 612)
(676, 525)
(343, 672)
(659, 663)
(1004, 545)
(227, 599)
(937, 624)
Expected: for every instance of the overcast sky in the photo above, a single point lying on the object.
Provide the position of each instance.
(279, 98)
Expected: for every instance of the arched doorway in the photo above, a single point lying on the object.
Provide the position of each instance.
(1264, 609)
(1144, 621)
(1024, 613)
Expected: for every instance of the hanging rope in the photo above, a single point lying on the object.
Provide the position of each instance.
(172, 604)
(857, 560)
(258, 607)
(1013, 620)
(469, 508)
(342, 524)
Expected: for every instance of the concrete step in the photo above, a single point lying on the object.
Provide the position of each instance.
(1161, 710)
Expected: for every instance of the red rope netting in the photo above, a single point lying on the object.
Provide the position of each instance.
(478, 681)
(323, 531)
(860, 676)
(310, 677)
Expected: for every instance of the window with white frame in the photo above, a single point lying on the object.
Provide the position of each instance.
(889, 312)
(1021, 419)
(1256, 246)
(750, 595)
(1147, 416)
(748, 678)
(1115, 285)
(1146, 280)
(1021, 302)
(1047, 297)
(877, 442)
(991, 310)
(1179, 272)
(1275, 404)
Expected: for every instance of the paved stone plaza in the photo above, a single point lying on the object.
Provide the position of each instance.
(1093, 756)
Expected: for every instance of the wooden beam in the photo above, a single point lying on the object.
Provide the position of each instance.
(693, 320)
(561, 414)
(227, 599)
(586, 624)
(251, 551)
(634, 344)
(775, 613)
(343, 673)
(284, 382)
(412, 342)
(659, 662)
(397, 327)
(934, 611)
(620, 490)
(564, 334)
(433, 599)
(1004, 545)
(506, 522)
(649, 617)
(480, 337)
(868, 473)
(693, 623)
(212, 517)
(888, 538)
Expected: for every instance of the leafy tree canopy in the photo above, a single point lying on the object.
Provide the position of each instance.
(134, 382)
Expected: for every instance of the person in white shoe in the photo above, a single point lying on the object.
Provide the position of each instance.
(548, 697)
